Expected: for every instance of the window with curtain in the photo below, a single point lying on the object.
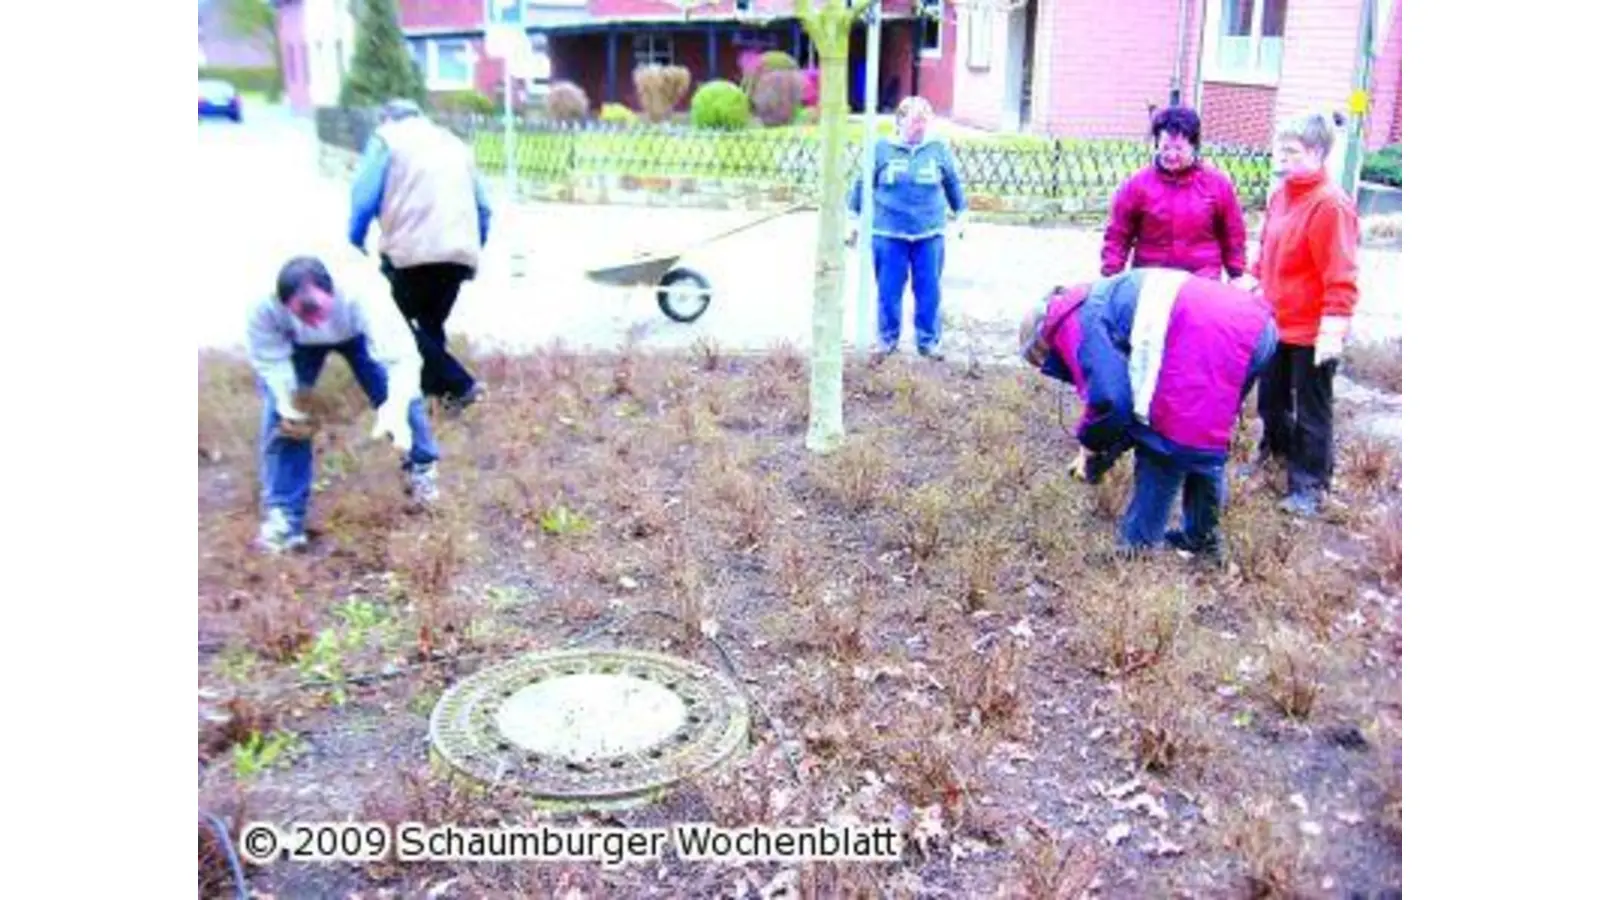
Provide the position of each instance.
(1249, 39)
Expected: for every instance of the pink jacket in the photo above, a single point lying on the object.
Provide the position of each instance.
(1189, 221)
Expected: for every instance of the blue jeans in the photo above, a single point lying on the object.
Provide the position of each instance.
(286, 462)
(1157, 481)
(895, 259)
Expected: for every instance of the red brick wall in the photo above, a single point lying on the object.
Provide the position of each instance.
(1107, 64)
(1319, 56)
(1236, 114)
(936, 78)
(462, 14)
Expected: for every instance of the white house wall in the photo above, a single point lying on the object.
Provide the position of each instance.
(329, 34)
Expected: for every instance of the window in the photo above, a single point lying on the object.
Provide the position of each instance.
(502, 12)
(449, 65)
(979, 39)
(652, 50)
(1246, 40)
(931, 28)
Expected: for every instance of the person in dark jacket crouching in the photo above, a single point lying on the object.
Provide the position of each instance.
(1162, 361)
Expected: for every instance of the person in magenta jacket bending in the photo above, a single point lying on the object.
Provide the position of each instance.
(1162, 361)
(1179, 212)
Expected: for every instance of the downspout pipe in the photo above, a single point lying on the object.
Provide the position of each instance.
(1176, 94)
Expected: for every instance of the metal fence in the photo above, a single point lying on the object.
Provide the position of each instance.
(1079, 173)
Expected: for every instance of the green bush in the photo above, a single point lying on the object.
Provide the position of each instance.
(1383, 167)
(262, 80)
(617, 114)
(720, 105)
(472, 102)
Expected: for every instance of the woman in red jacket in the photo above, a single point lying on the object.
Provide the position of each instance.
(1307, 269)
(1179, 212)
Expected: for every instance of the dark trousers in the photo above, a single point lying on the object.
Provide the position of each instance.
(425, 295)
(922, 262)
(1296, 406)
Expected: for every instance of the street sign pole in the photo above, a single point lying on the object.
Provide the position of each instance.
(1360, 100)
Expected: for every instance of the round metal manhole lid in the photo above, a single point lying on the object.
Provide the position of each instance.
(591, 728)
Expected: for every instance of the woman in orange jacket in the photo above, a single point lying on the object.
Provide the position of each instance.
(1307, 271)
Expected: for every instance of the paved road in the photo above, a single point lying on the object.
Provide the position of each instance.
(270, 202)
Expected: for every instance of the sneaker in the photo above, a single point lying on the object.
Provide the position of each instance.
(456, 405)
(1304, 504)
(932, 351)
(1210, 551)
(277, 535)
(422, 484)
(882, 352)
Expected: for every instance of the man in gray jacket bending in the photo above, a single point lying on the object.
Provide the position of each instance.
(289, 337)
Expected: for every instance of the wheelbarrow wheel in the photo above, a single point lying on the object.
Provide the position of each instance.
(683, 295)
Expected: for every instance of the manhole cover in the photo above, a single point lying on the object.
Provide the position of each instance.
(591, 728)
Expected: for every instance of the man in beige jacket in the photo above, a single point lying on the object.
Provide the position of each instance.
(420, 183)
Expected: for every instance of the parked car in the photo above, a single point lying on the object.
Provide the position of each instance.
(219, 99)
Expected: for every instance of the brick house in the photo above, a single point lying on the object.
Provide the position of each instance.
(1093, 69)
(598, 43)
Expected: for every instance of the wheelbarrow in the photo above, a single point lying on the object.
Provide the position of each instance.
(682, 293)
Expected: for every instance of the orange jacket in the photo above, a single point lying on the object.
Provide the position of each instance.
(1307, 263)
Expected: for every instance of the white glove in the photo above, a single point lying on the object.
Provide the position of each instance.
(851, 235)
(958, 227)
(392, 421)
(289, 412)
(1078, 469)
(1330, 339)
(1247, 282)
(283, 402)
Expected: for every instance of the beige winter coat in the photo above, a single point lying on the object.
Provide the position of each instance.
(430, 210)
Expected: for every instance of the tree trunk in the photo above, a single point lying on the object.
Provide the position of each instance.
(831, 37)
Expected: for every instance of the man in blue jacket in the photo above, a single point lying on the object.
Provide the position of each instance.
(916, 193)
(420, 183)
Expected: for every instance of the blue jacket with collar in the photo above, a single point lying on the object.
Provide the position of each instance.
(915, 187)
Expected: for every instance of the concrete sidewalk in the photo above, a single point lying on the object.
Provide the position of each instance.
(762, 278)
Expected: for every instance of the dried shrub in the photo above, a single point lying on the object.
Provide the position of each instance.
(1165, 726)
(1387, 546)
(1294, 673)
(777, 97)
(567, 102)
(1053, 868)
(660, 89)
(1374, 363)
(1123, 629)
(752, 67)
(991, 690)
(1370, 464)
(856, 476)
(925, 520)
(1269, 848)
